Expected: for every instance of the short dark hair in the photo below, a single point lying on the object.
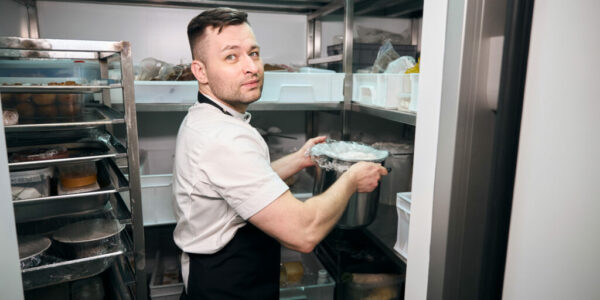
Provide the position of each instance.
(215, 17)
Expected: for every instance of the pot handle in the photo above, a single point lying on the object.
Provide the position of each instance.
(389, 170)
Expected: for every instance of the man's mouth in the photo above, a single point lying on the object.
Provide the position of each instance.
(251, 83)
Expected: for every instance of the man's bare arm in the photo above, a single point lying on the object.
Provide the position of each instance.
(292, 163)
(302, 225)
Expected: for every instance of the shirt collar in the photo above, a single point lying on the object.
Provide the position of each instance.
(246, 117)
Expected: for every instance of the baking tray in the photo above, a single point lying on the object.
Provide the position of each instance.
(92, 117)
(72, 204)
(76, 151)
(56, 267)
(65, 271)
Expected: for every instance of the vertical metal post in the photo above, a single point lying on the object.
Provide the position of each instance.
(310, 39)
(105, 92)
(32, 17)
(135, 193)
(347, 66)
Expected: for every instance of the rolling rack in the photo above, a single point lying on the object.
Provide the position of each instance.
(103, 134)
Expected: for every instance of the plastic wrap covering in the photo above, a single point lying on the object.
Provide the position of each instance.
(340, 155)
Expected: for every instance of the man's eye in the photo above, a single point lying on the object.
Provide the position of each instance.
(255, 53)
(230, 57)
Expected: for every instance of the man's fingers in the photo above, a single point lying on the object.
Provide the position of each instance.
(383, 171)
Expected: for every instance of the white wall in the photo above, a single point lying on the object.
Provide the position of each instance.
(426, 140)
(160, 32)
(13, 19)
(554, 241)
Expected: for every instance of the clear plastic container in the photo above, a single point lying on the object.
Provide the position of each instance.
(403, 202)
(374, 286)
(31, 183)
(77, 176)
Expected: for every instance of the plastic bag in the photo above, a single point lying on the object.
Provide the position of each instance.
(400, 65)
(385, 55)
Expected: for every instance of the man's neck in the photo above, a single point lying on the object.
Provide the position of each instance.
(239, 107)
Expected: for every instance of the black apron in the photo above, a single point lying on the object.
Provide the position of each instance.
(246, 268)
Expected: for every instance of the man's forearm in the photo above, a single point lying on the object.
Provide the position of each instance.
(287, 166)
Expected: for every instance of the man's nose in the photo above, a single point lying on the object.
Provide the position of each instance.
(250, 65)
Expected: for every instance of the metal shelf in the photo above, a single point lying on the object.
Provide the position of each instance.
(326, 59)
(113, 151)
(74, 89)
(392, 115)
(92, 117)
(261, 106)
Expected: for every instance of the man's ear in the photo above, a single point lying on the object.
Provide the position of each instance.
(199, 71)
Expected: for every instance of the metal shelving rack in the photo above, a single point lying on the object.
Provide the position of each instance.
(132, 283)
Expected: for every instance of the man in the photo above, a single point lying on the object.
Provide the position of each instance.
(233, 208)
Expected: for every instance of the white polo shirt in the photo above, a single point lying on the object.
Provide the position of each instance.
(222, 176)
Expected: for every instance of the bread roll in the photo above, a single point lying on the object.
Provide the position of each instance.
(44, 99)
(26, 110)
(46, 111)
(294, 271)
(69, 110)
(67, 98)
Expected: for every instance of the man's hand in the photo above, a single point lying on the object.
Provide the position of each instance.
(366, 175)
(303, 152)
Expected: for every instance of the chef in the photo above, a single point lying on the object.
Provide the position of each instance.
(232, 206)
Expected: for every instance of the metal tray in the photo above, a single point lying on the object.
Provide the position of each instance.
(92, 117)
(76, 151)
(110, 181)
(55, 269)
(66, 271)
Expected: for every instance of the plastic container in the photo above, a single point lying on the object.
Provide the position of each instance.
(31, 183)
(364, 54)
(78, 177)
(157, 194)
(315, 283)
(403, 203)
(374, 286)
(391, 91)
(166, 282)
(302, 87)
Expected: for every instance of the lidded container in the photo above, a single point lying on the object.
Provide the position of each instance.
(77, 177)
(30, 184)
(333, 158)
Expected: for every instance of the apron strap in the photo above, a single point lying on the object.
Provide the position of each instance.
(204, 99)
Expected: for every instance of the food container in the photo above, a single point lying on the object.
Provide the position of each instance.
(30, 184)
(78, 177)
(304, 277)
(90, 237)
(403, 208)
(166, 282)
(333, 159)
(401, 161)
(35, 108)
(373, 286)
(31, 249)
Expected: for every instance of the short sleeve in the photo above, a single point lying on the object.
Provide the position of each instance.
(238, 168)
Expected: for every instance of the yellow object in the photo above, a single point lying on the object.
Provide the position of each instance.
(414, 69)
(294, 271)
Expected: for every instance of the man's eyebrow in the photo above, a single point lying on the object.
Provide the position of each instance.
(233, 47)
(230, 47)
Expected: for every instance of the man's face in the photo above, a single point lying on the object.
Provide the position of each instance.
(232, 65)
